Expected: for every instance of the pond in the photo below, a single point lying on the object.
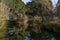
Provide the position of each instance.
(52, 38)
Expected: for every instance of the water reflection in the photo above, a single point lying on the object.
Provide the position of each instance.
(27, 38)
(11, 32)
(51, 38)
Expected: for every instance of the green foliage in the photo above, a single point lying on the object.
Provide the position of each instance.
(15, 4)
(39, 15)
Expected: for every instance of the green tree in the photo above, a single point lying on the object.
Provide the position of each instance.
(17, 10)
(39, 13)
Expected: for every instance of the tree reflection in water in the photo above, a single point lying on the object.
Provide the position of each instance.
(53, 38)
(44, 36)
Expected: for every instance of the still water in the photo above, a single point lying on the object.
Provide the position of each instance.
(28, 38)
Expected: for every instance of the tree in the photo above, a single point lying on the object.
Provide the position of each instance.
(40, 10)
(57, 12)
(17, 22)
(3, 19)
(39, 13)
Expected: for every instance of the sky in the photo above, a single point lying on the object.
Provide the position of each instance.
(53, 1)
(25, 1)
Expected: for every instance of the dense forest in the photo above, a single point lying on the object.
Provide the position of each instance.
(36, 20)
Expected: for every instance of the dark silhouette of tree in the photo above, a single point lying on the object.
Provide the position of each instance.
(40, 14)
(57, 9)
